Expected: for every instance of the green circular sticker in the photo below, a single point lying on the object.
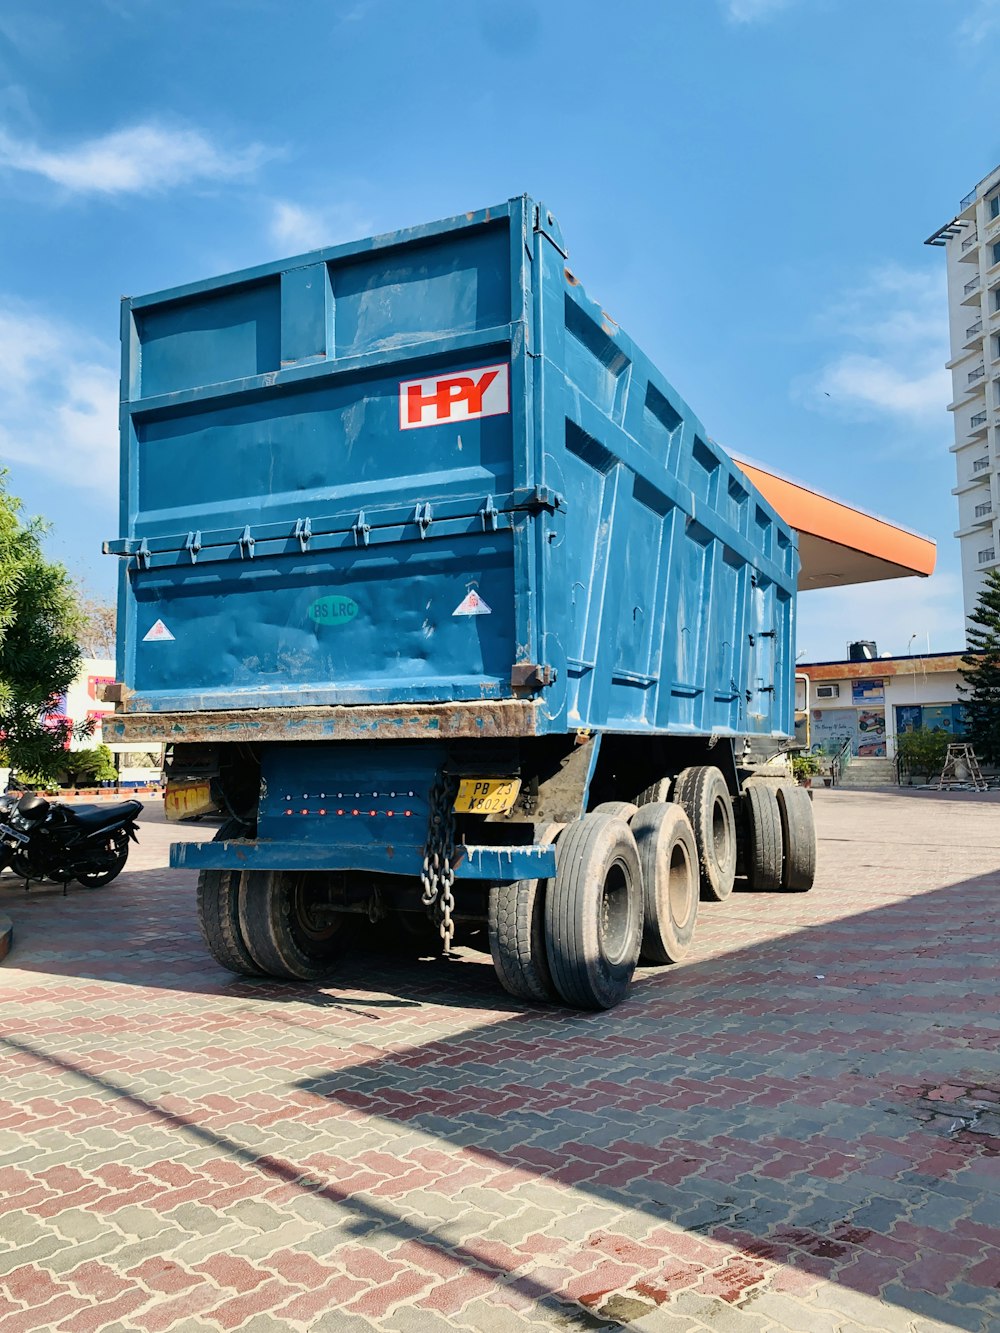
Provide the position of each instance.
(334, 609)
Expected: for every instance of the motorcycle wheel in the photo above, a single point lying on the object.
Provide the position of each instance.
(117, 846)
(21, 866)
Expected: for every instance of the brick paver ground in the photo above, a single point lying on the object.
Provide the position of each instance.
(797, 1129)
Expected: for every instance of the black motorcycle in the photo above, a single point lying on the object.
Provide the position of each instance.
(48, 840)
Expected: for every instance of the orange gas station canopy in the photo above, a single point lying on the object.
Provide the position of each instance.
(838, 544)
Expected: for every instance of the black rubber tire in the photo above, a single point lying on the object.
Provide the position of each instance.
(593, 912)
(516, 929)
(763, 846)
(96, 879)
(219, 913)
(281, 939)
(620, 809)
(656, 791)
(704, 796)
(799, 833)
(668, 857)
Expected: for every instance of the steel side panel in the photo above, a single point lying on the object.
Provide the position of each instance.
(660, 592)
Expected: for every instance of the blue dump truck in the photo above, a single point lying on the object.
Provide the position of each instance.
(434, 587)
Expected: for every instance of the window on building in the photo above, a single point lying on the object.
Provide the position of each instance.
(995, 252)
(996, 299)
(994, 206)
(986, 555)
(984, 509)
(980, 465)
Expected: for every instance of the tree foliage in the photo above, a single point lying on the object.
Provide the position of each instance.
(86, 768)
(921, 753)
(98, 628)
(39, 654)
(981, 672)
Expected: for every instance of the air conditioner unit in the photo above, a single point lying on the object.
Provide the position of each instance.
(827, 691)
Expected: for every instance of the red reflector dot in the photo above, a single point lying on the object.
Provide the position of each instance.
(322, 812)
(389, 814)
(407, 813)
(289, 812)
(340, 812)
(303, 812)
(373, 813)
(355, 812)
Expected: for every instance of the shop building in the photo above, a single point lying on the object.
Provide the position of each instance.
(870, 703)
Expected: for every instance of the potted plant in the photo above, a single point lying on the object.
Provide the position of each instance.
(804, 768)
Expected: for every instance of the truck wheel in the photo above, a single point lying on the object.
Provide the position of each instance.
(219, 918)
(219, 913)
(668, 856)
(516, 928)
(798, 829)
(593, 912)
(764, 842)
(620, 809)
(285, 934)
(656, 791)
(704, 796)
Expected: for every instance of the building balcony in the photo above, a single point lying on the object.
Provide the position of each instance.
(978, 374)
(969, 253)
(977, 424)
(970, 292)
(974, 334)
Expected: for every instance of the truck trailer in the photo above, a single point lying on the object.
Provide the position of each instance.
(440, 593)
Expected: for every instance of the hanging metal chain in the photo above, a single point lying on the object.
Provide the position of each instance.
(437, 875)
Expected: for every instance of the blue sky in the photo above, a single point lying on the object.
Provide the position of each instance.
(744, 184)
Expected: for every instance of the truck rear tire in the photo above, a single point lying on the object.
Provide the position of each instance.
(219, 918)
(219, 912)
(656, 791)
(516, 928)
(763, 851)
(620, 809)
(668, 856)
(704, 796)
(798, 829)
(282, 931)
(593, 912)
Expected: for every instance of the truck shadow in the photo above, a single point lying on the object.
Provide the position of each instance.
(799, 1100)
(809, 1101)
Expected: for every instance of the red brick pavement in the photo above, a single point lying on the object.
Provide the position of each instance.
(796, 1129)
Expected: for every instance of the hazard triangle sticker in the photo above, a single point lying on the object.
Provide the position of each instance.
(472, 605)
(158, 633)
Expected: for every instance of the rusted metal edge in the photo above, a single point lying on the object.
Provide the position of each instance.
(503, 717)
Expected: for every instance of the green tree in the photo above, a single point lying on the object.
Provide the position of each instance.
(86, 768)
(922, 752)
(39, 655)
(981, 672)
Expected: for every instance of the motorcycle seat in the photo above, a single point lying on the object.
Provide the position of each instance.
(94, 816)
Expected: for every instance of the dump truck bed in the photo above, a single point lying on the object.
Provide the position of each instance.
(423, 476)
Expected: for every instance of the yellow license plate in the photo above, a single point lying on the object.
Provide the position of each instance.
(185, 800)
(486, 796)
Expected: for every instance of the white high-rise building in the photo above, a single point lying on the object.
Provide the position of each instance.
(972, 242)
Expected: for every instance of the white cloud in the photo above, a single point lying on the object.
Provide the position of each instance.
(896, 330)
(890, 613)
(753, 11)
(138, 160)
(982, 20)
(59, 409)
(296, 228)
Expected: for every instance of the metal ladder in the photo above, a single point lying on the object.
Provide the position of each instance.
(961, 767)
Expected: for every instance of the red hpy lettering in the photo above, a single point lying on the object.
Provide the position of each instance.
(457, 396)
